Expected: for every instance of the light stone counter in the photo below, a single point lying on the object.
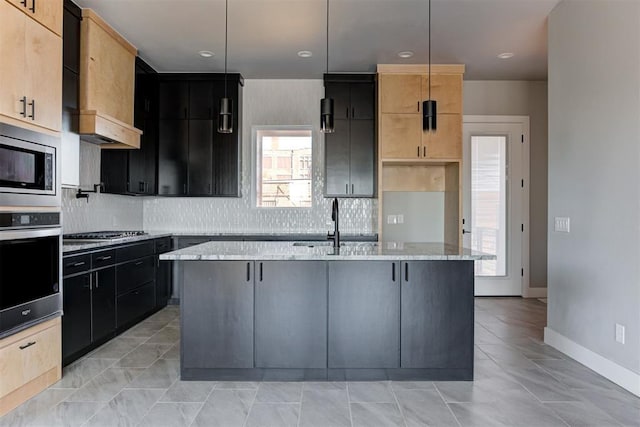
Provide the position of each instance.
(324, 251)
(70, 246)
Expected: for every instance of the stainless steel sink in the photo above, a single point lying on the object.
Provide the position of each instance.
(326, 244)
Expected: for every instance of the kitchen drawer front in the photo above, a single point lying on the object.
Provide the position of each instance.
(135, 274)
(76, 264)
(29, 356)
(163, 245)
(135, 304)
(103, 258)
(138, 250)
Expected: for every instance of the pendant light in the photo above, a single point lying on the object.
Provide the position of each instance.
(429, 107)
(225, 117)
(326, 104)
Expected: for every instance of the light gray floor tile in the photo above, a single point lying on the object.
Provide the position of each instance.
(411, 385)
(325, 385)
(145, 329)
(237, 385)
(143, 356)
(35, 407)
(424, 407)
(542, 385)
(188, 391)
(378, 392)
(479, 354)
(68, 414)
(483, 336)
(105, 386)
(162, 374)
(489, 390)
(273, 415)
(170, 414)
(582, 414)
(116, 348)
(513, 413)
(279, 392)
(128, 408)
(166, 335)
(164, 316)
(620, 405)
(506, 355)
(376, 414)
(172, 353)
(323, 408)
(82, 371)
(536, 351)
(226, 408)
(575, 375)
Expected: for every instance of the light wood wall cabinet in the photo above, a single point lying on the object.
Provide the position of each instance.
(415, 160)
(30, 361)
(31, 71)
(107, 75)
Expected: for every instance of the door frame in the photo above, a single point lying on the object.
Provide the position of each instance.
(527, 292)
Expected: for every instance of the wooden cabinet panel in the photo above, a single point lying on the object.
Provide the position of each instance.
(43, 59)
(12, 66)
(446, 89)
(46, 12)
(400, 93)
(10, 369)
(446, 141)
(43, 355)
(400, 136)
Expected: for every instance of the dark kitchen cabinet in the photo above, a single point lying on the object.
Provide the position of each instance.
(200, 169)
(173, 157)
(350, 162)
(76, 321)
(174, 99)
(364, 314)
(291, 314)
(201, 100)
(164, 271)
(220, 295)
(437, 314)
(103, 303)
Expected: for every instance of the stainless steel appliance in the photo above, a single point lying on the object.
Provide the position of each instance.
(30, 269)
(29, 172)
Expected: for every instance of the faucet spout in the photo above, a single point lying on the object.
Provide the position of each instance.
(335, 217)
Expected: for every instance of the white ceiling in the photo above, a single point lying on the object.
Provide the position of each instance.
(265, 35)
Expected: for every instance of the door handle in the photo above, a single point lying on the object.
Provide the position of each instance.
(97, 283)
(393, 271)
(248, 271)
(346, 188)
(29, 344)
(465, 231)
(23, 100)
(352, 189)
(406, 272)
(104, 258)
(424, 151)
(418, 151)
(261, 272)
(418, 106)
(32, 104)
(33, 6)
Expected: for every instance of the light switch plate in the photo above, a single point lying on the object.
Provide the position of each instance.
(392, 219)
(562, 224)
(620, 333)
(400, 219)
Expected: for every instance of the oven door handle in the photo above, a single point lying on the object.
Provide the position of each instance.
(29, 234)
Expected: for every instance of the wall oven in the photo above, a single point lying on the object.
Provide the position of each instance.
(28, 168)
(30, 269)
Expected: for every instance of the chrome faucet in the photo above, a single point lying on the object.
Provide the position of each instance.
(335, 217)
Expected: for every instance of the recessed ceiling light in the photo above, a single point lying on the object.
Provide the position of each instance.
(405, 54)
(206, 53)
(305, 54)
(505, 55)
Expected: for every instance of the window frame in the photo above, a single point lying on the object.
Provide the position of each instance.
(254, 164)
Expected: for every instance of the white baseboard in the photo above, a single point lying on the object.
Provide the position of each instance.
(535, 293)
(620, 375)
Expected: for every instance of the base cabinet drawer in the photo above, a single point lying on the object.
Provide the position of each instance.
(133, 274)
(135, 303)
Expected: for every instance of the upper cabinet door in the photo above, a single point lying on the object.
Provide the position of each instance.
(337, 159)
(362, 101)
(339, 92)
(174, 100)
(400, 93)
(446, 141)
(200, 100)
(400, 136)
(446, 89)
(12, 66)
(200, 172)
(46, 12)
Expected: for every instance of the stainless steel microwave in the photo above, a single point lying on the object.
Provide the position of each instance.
(28, 168)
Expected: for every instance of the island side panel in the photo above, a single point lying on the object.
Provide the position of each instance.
(217, 315)
(437, 315)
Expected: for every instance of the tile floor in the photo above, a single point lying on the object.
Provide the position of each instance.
(519, 381)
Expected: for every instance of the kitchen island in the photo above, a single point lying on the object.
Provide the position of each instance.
(307, 311)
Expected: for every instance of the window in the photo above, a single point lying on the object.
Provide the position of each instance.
(283, 167)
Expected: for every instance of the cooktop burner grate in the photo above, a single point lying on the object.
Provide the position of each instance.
(103, 235)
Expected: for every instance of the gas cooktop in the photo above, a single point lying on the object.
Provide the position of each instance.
(102, 235)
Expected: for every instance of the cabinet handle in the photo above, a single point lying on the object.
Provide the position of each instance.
(347, 112)
(97, 281)
(33, 6)
(104, 258)
(393, 271)
(248, 271)
(353, 112)
(32, 104)
(88, 279)
(184, 188)
(424, 151)
(406, 272)
(418, 106)
(209, 188)
(418, 151)
(185, 113)
(346, 188)
(139, 263)
(24, 3)
(29, 344)
(352, 189)
(141, 186)
(75, 264)
(23, 113)
(261, 272)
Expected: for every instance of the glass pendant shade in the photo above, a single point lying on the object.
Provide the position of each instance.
(326, 115)
(225, 118)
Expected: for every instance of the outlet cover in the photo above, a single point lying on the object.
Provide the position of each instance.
(562, 224)
(620, 333)
(392, 219)
(400, 218)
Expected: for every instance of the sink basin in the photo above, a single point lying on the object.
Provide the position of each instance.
(325, 244)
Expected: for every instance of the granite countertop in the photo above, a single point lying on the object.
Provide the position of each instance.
(306, 251)
(70, 246)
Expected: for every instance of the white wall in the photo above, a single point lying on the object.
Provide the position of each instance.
(266, 102)
(522, 98)
(594, 176)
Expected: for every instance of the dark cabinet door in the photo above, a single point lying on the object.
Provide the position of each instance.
(135, 304)
(339, 92)
(163, 283)
(437, 314)
(201, 100)
(103, 303)
(114, 166)
(76, 321)
(364, 314)
(137, 168)
(227, 147)
(362, 155)
(291, 314)
(71, 36)
(174, 99)
(173, 146)
(217, 330)
(362, 101)
(337, 160)
(200, 158)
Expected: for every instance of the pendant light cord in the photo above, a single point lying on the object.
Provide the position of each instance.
(226, 37)
(327, 36)
(429, 49)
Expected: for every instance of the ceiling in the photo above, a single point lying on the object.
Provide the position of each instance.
(265, 35)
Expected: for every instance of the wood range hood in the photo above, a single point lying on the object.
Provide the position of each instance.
(107, 76)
